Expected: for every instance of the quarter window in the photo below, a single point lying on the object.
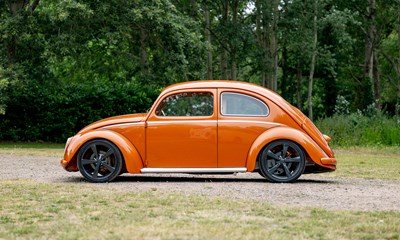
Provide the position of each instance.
(237, 104)
(187, 104)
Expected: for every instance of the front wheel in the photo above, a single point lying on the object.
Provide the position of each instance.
(99, 161)
(282, 161)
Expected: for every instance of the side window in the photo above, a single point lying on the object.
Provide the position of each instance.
(187, 104)
(237, 104)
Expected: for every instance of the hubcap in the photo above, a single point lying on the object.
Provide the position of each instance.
(282, 161)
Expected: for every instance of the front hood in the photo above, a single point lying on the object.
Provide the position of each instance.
(129, 118)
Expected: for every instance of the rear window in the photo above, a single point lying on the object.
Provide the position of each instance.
(237, 104)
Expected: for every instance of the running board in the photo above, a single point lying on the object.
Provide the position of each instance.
(193, 170)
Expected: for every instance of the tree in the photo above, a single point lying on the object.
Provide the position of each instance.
(267, 17)
(370, 61)
(119, 40)
(313, 59)
(15, 20)
(390, 50)
(207, 36)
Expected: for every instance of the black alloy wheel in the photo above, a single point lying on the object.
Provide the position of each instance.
(99, 161)
(282, 161)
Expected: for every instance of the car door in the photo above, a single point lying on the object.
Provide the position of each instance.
(242, 117)
(182, 131)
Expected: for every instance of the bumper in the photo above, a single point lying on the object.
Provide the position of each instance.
(64, 163)
(328, 161)
(69, 166)
(325, 165)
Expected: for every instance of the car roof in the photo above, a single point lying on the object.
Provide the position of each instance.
(296, 114)
(224, 84)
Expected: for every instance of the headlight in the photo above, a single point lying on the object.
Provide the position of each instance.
(66, 144)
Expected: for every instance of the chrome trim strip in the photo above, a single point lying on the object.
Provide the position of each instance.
(248, 121)
(208, 121)
(182, 122)
(188, 122)
(123, 124)
(242, 115)
(193, 170)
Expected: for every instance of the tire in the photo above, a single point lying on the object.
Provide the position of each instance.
(282, 161)
(99, 161)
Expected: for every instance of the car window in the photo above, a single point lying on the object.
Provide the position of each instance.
(187, 104)
(237, 104)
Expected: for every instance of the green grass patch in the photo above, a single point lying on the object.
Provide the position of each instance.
(32, 145)
(30, 210)
(32, 149)
(370, 163)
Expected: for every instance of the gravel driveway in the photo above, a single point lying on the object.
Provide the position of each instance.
(310, 190)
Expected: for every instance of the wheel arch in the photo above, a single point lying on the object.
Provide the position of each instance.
(311, 150)
(131, 157)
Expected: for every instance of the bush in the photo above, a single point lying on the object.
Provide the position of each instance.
(52, 113)
(37, 112)
(361, 129)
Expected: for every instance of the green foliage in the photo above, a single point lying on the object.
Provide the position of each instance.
(342, 106)
(70, 47)
(39, 112)
(8, 78)
(3, 86)
(119, 40)
(361, 129)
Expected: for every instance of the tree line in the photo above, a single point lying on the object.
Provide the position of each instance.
(318, 54)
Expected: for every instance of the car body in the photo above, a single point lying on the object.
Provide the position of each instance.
(208, 127)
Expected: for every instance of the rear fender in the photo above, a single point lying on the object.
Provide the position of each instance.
(133, 161)
(280, 133)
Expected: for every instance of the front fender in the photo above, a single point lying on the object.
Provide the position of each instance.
(282, 132)
(133, 161)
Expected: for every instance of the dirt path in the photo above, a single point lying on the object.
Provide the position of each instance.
(310, 190)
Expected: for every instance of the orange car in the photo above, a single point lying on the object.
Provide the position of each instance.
(204, 127)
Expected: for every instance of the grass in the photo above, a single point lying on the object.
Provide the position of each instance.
(29, 210)
(32, 145)
(369, 163)
(32, 149)
(32, 210)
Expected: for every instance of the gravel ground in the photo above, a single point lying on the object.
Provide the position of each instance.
(310, 190)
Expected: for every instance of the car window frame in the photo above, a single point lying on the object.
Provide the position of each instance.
(212, 94)
(242, 115)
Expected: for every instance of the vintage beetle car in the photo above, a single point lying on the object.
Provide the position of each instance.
(204, 127)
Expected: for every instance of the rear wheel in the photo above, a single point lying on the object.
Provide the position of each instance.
(99, 161)
(282, 161)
